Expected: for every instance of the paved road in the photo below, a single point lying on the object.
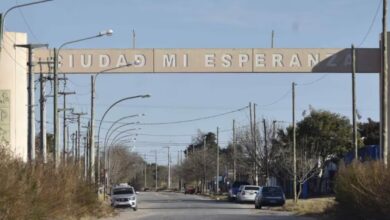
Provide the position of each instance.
(177, 206)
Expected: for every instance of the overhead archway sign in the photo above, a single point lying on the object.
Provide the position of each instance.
(222, 60)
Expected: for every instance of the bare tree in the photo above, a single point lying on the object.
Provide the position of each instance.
(258, 148)
(198, 167)
(124, 165)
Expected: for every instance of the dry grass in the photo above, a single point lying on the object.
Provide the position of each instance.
(363, 191)
(217, 197)
(314, 206)
(37, 191)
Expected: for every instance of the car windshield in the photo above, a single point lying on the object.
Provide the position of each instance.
(274, 191)
(251, 188)
(120, 191)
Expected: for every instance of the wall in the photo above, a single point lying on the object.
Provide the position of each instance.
(13, 94)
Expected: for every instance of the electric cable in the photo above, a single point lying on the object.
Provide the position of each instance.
(196, 119)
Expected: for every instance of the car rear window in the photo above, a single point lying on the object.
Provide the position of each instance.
(251, 188)
(120, 191)
(272, 191)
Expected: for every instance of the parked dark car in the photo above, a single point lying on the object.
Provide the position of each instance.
(270, 196)
(234, 189)
(189, 190)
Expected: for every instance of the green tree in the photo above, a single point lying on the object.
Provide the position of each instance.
(320, 136)
(369, 131)
(324, 134)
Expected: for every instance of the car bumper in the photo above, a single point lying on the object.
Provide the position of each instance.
(272, 202)
(130, 203)
(247, 198)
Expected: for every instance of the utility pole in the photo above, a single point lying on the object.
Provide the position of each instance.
(266, 153)
(384, 87)
(354, 127)
(177, 165)
(42, 115)
(146, 169)
(217, 177)
(234, 152)
(272, 38)
(78, 115)
(294, 145)
(169, 168)
(255, 142)
(31, 105)
(67, 142)
(56, 121)
(252, 136)
(85, 156)
(73, 137)
(64, 147)
(64, 93)
(204, 164)
(92, 136)
(87, 152)
(156, 167)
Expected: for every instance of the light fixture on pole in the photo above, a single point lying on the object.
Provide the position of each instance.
(96, 168)
(55, 89)
(100, 125)
(109, 133)
(2, 16)
(120, 135)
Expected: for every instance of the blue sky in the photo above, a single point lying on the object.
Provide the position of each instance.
(208, 24)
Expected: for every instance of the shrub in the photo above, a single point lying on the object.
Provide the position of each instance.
(363, 191)
(40, 191)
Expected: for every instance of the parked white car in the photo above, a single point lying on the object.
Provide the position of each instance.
(124, 195)
(247, 193)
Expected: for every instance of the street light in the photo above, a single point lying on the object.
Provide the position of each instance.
(92, 136)
(2, 17)
(125, 141)
(55, 89)
(119, 137)
(117, 128)
(108, 134)
(101, 122)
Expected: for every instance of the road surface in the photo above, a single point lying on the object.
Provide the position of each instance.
(177, 206)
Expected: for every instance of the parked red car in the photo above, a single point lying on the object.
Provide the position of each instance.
(189, 190)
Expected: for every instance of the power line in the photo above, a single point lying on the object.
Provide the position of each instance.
(314, 81)
(372, 24)
(196, 119)
(278, 100)
(25, 21)
(167, 135)
(101, 105)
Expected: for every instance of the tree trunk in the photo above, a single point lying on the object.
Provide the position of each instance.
(299, 191)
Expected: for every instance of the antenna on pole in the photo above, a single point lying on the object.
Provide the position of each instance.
(133, 39)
